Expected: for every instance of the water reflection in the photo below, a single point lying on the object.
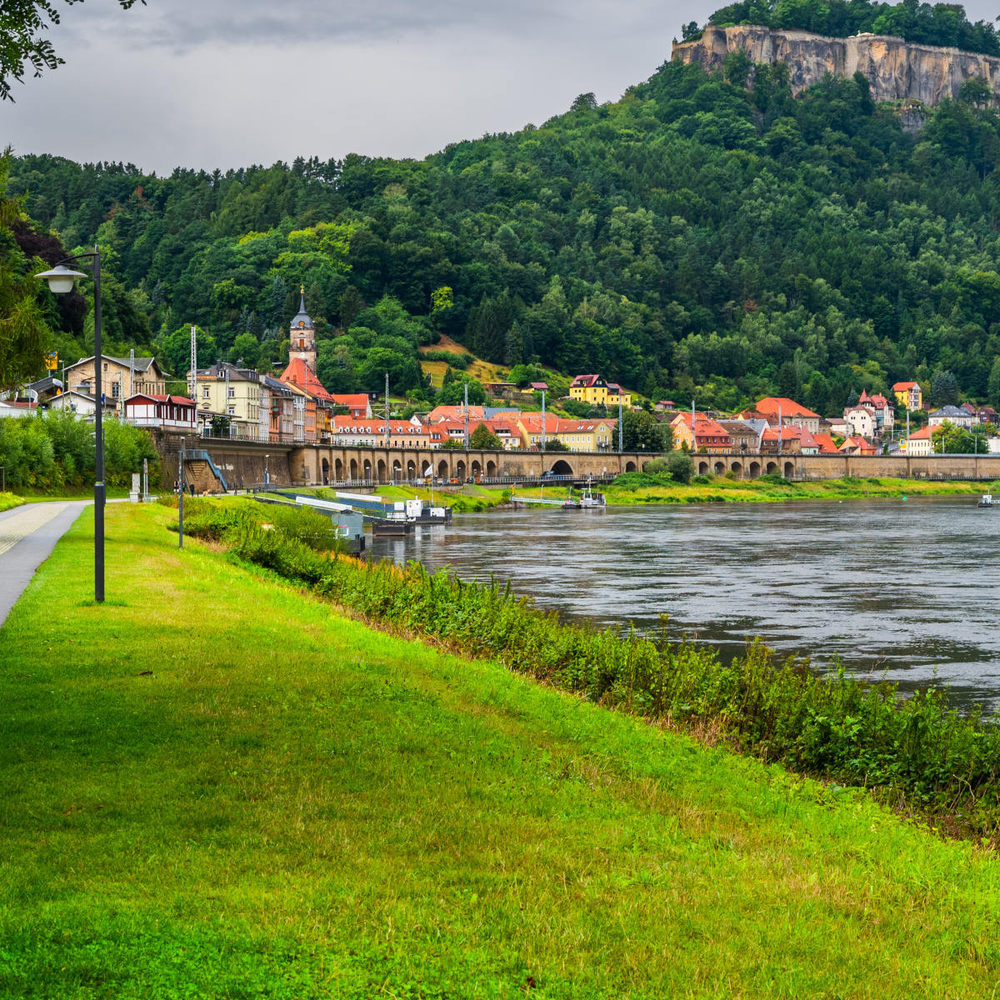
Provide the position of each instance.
(904, 588)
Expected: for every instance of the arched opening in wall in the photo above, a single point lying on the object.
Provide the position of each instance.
(442, 469)
(460, 469)
(491, 469)
(367, 470)
(354, 468)
(737, 469)
(477, 470)
(789, 470)
(326, 471)
(380, 470)
(411, 470)
(754, 470)
(703, 468)
(562, 468)
(719, 468)
(630, 467)
(338, 469)
(771, 466)
(397, 470)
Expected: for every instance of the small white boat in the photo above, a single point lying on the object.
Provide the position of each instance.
(988, 501)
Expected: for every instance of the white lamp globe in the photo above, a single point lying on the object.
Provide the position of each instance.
(61, 279)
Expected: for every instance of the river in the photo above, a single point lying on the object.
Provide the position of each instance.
(901, 589)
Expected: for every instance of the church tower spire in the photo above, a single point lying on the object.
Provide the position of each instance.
(302, 335)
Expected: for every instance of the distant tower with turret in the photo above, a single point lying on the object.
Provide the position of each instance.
(302, 335)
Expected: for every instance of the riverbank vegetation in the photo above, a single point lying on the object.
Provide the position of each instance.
(915, 753)
(214, 785)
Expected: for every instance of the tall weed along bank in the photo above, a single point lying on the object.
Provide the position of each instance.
(915, 753)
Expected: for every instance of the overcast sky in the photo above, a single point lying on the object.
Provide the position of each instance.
(227, 83)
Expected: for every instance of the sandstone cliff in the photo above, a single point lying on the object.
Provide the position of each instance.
(897, 71)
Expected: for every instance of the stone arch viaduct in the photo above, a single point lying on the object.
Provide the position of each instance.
(244, 463)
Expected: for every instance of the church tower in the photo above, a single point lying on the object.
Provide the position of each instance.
(302, 335)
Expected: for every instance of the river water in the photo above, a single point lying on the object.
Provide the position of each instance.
(901, 589)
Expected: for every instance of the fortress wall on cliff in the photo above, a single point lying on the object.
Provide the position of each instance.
(896, 70)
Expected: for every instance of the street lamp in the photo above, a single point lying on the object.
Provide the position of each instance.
(180, 492)
(266, 479)
(61, 280)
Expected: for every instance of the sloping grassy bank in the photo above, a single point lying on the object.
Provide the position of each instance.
(914, 752)
(214, 786)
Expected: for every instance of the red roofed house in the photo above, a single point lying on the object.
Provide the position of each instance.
(827, 446)
(782, 440)
(144, 410)
(358, 403)
(857, 446)
(456, 412)
(789, 412)
(708, 436)
(918, 443)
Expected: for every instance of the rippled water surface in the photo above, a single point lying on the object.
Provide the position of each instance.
(904, 588)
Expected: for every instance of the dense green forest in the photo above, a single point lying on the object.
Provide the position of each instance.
(920, 23)
(692, 238)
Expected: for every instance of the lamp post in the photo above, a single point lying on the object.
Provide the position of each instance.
(61, 280)
(180, 494)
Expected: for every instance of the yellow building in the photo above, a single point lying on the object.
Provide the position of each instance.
(908, 395)
(238, 393)
(577, 435)
(593, 389)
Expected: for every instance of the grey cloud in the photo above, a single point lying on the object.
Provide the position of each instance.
(183, 25)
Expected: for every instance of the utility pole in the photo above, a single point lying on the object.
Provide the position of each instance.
(543, 420)
(694, 436)
(779, 429)
(466, 416)
(387, 413)
(620, 425)
(131, 372)
(180, 495)
(193, 377)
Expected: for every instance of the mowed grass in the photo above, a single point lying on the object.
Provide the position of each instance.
(217, 786)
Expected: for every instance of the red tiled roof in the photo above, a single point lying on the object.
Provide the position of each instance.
(903, 386)
(825, 443)
(299, 374)
(355, 400)
(924, 434)
(789, 408)
(454, 413)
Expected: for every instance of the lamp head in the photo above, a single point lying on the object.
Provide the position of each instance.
(60, 279)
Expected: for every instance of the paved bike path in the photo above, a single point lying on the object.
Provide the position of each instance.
(28, 535)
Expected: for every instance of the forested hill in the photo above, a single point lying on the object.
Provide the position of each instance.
(693, 236)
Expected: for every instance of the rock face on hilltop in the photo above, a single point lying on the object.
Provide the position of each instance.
(897, 71)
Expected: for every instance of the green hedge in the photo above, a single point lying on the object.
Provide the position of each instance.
(52, 451)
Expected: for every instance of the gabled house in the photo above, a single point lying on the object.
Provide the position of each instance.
(120, 377)
(918, 443)
(593, 389)
(178, 412)
(908, 394)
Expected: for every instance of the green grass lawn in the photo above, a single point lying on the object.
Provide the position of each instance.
(216, 786)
